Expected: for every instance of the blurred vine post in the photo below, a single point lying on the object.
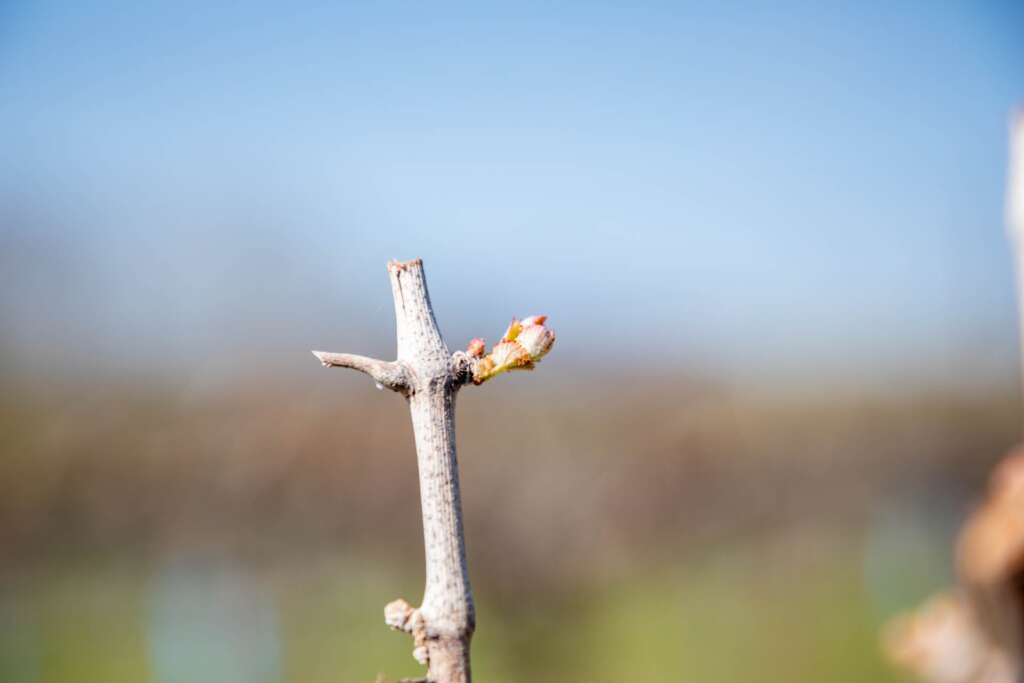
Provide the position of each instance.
(974, 633)
(1015, 214)
(429, 377)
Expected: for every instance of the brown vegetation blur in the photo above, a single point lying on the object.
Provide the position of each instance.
(561, 484)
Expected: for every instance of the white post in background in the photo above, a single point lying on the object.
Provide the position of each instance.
(1015, 216)
(975, 632)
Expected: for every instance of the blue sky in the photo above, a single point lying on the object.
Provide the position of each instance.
(760, 189)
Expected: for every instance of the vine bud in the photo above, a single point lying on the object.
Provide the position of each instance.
(476, 348)
(524, 343)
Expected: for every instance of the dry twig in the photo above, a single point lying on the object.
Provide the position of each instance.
(429, 376)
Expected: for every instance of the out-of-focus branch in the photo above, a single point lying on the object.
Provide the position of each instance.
(974, 634)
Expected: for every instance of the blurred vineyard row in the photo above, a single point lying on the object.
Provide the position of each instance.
(560, 482)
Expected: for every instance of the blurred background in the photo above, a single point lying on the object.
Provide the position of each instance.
(769, 237)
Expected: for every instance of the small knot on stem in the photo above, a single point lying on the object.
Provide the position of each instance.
(402, 616)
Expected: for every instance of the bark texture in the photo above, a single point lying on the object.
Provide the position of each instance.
(429, 376)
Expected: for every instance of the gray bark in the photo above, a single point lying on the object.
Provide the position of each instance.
(430, 377)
